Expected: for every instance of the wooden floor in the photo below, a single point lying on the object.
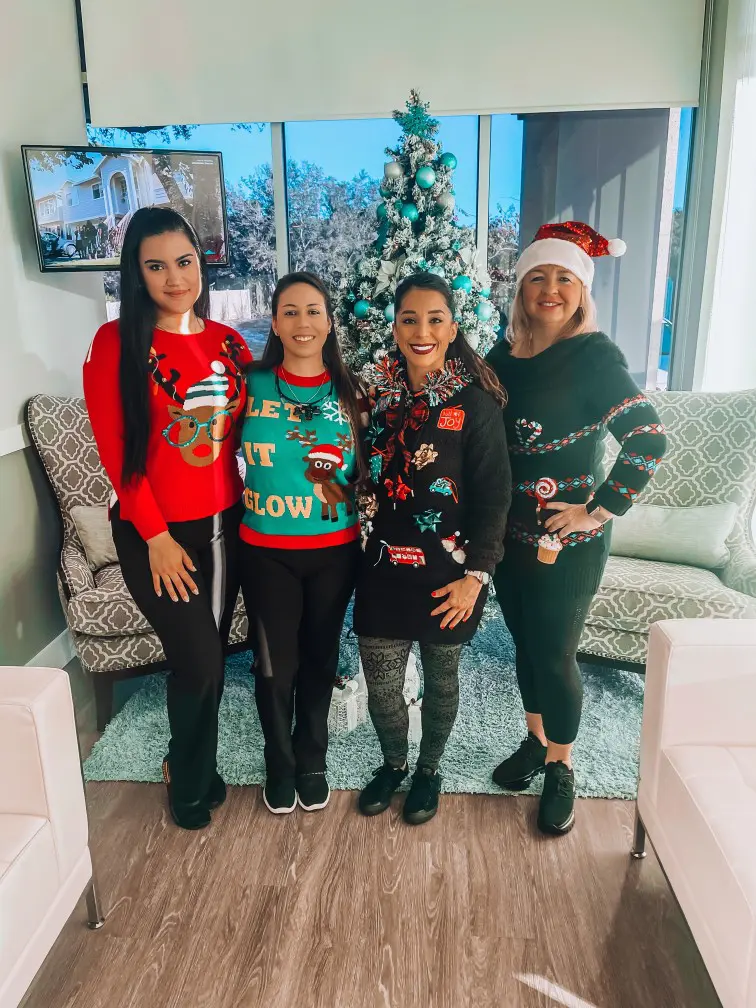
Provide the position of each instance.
(333, 910)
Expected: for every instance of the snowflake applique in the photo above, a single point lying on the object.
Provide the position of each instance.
(424, 456)
(334, 412)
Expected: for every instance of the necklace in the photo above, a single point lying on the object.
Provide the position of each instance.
(307, 409)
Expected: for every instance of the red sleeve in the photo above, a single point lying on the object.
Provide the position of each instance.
(103, 398)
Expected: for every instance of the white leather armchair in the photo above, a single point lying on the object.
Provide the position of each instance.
(45, 865)
(697, 788)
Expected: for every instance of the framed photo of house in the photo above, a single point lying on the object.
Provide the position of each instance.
(82, 199)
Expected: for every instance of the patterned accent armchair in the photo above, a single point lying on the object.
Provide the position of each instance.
(710, 459)
(112, 638)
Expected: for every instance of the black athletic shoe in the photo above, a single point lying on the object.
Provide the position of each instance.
(313, 791)
(523, 766)
(556, 813)
(376, 796)
(422, 800)
(187, 815)
(280, 795)
(216, 794)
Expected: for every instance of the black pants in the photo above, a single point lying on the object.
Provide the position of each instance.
(296, 601)
(194, 635)
(546, 629)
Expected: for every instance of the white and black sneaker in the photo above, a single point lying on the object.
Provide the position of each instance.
(280, 795)
(313, 791)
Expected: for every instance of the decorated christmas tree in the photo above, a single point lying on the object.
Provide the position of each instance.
(417, 232)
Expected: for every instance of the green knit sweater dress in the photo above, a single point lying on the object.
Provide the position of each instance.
(560, 404)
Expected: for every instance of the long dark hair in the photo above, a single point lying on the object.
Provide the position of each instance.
(345, 384)
(137, 321)
(483, 376)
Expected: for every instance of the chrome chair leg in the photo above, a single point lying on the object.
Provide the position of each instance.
(639, 839)
(95, 918)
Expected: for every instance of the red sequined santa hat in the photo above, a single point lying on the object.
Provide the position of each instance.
(572, 245)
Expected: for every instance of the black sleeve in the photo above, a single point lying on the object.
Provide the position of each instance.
(634, 422)
(487, 485)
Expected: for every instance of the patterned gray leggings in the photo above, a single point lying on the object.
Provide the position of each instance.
(384, 662)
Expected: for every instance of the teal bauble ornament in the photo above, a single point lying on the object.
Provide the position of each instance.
(425, 177)
(381, 211)
(361, 308)
(448, 160)
(388, 313)
(462, 283)
(485, 292)
(484, 310)
(410, 211)
(437, 271)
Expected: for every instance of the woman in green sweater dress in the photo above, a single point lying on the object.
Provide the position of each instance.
(567, 383)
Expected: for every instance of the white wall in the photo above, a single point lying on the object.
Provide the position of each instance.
(47, 321)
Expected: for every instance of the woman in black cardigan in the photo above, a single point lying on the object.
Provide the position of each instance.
(433, 525)
(567, 383)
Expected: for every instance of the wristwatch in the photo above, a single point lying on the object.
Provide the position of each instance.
(599, 513)
(480, 575)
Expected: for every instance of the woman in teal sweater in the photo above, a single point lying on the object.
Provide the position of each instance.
(300, 535)
(567, 384)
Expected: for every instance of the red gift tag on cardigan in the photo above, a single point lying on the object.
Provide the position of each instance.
(451, 419)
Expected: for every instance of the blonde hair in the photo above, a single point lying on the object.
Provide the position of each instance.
(583, 321)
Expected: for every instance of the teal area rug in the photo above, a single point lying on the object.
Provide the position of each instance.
(490, 725)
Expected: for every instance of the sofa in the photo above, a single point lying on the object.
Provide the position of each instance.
(45, 865)
(111, 637)
(710, 460)
(697, 788)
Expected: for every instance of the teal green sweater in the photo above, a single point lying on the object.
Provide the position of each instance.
(298, 490)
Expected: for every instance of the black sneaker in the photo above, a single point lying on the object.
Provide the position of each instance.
(188, 815)
(556, 813)
(313, 791)
(216, 793)
(422, 800)
(523, 766)
(376, 796)
(280, 795)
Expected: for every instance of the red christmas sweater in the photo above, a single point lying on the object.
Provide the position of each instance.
(197, 395)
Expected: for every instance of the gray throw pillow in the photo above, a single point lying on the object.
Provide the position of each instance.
(93, 528)
(694, 536)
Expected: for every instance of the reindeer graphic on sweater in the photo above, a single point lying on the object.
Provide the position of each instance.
(324, 463)
(203, 418)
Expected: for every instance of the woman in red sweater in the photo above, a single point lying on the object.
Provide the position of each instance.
(165, 393)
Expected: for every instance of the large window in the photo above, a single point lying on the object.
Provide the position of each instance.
(623, 172)
(683, 134)
(504, 196)
(333, 171)
(240, 293)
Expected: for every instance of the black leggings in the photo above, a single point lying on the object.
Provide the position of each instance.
(546, 629)
(194, 635)
(384, 662)
(296, 601)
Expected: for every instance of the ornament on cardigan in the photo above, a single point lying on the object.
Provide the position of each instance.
(424, 456)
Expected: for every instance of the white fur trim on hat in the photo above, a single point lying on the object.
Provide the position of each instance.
(326, 456)
(556, 252)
